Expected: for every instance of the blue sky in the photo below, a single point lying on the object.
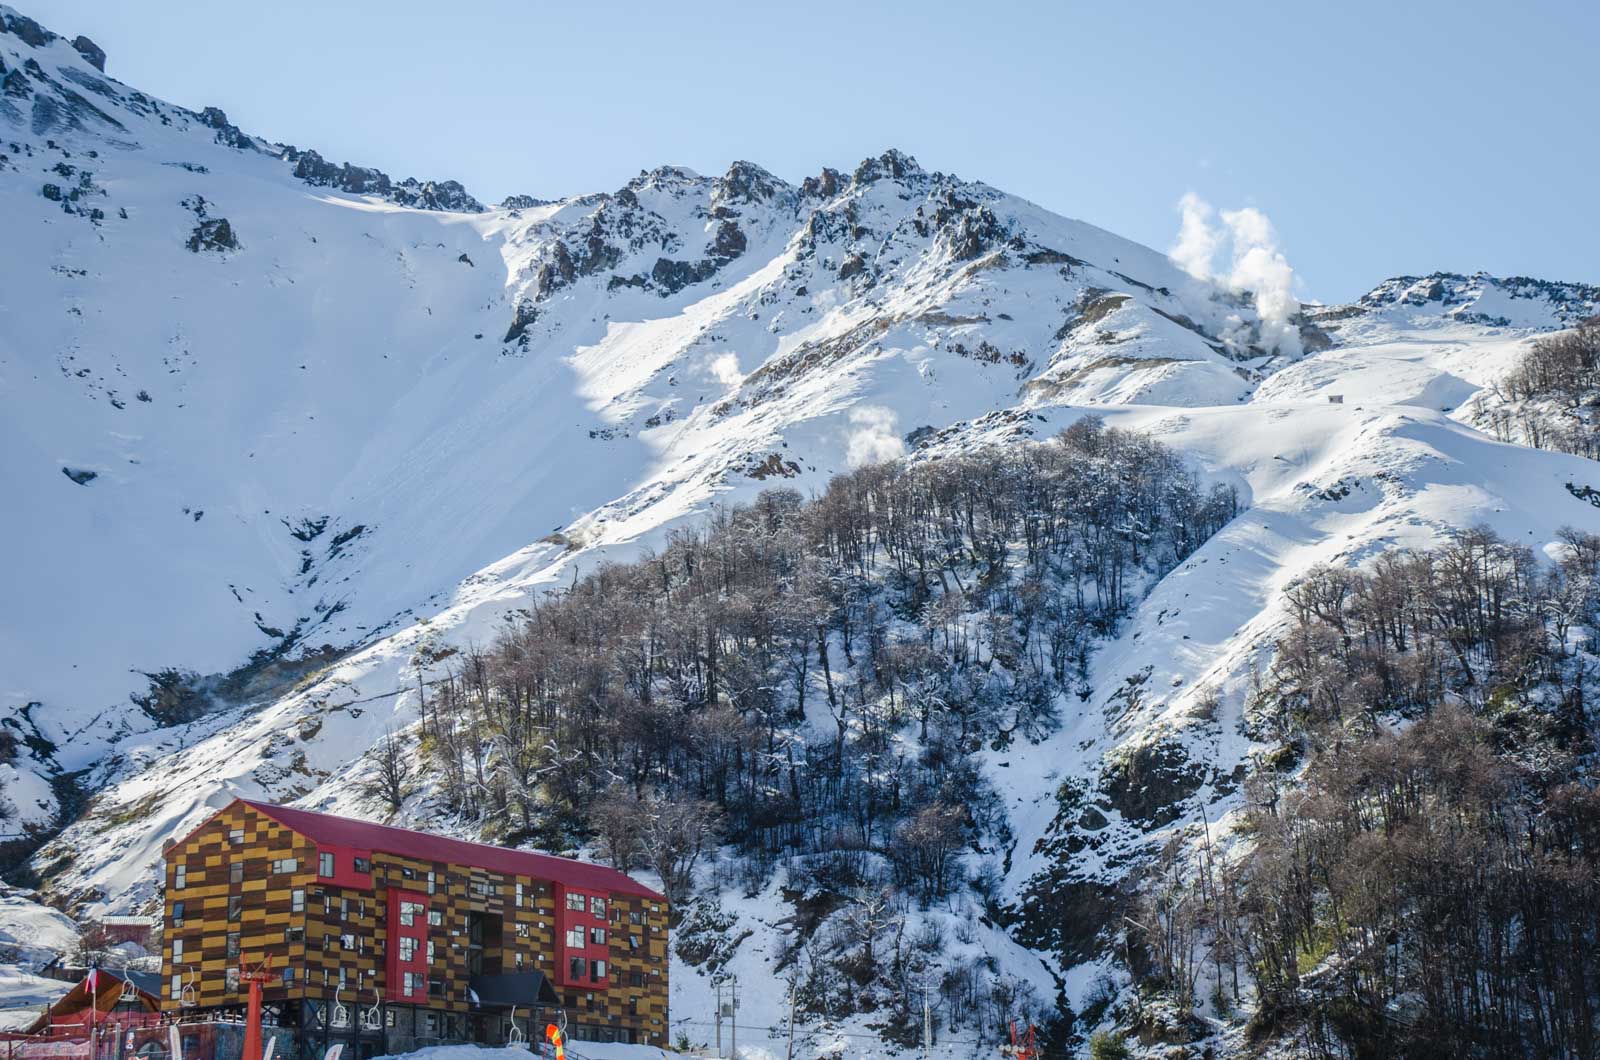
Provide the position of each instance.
(1379, 138)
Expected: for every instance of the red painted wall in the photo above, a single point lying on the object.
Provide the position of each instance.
(344, 866)
(566, 919)
(394, 967)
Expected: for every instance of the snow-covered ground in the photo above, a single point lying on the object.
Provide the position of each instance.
(377, 429)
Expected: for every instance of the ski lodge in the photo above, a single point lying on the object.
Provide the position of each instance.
(387, 940)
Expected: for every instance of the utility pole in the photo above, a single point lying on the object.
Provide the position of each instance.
(719, 1017)
(790, 1054)
(733, 1017)
(927, 1024)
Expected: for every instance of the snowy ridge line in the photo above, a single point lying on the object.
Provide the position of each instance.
(373, 430)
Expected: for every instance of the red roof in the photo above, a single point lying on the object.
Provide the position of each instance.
(364, 835)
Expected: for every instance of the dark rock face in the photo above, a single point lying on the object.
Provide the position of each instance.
(227, 133)
(521, 320)
(15, 84)
(673, 276)
(852, 266)
(312, 168)
(30, 32)
(523, 202)
(214, 234)
(823, 186)
(1151, 785)
(747, 183)
(974, 233)
(81, 476)
(730, 242)
(894, 164)
(92, 53)
(446, 195)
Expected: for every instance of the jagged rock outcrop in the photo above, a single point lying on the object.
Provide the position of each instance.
(893, 164)
(227, 133)
(92, 53)
(523, 202)
(1471, 299)
(212, 234)
(315, 170)
(30, 32)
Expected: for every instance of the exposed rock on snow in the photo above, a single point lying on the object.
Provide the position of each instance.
(678, 342)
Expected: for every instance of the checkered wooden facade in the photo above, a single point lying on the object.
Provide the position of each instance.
(244, 888)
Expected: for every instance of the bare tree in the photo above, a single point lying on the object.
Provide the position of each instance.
(390, 780)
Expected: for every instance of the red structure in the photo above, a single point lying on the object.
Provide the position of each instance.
(252, 1022)
(117, 996)
(1023, 1045)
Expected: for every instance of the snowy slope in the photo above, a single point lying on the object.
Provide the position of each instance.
(374, 426)
(364, 413)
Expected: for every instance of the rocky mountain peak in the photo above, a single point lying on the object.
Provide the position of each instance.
(1479, 298)
(747, 183)
(893, 164)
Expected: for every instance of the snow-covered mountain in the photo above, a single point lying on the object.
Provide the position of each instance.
(274, 432)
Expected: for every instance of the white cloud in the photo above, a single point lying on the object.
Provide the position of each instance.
(1197, 239)
(874, 438)
(1255, 265)
(725, 369)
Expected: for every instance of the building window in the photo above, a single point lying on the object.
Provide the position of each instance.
(294, 934)
(408, 913)
(235, 907)
(430, 951)
(599, 971)
(177, 914)
(519, 960)
(285, 866)
(325, 864)
(522, 930)
(297, 900)
(180, 877)
(597, 906)
(347, 942)
(578, 968)
(436, 917)
(431, 883)
(363, 865)
(482, 889)
(343, 974)
(288, 976)
(635, 978)
(344, 909)
(408, 948)
(635, 918)
(175, 991)
(230, 980)
(634, 942)
(236, 837)
(407, 872)
(233, 944)
(597, 936)
(177, 950)
(575, 901)
(575, 937)
(236, 872)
